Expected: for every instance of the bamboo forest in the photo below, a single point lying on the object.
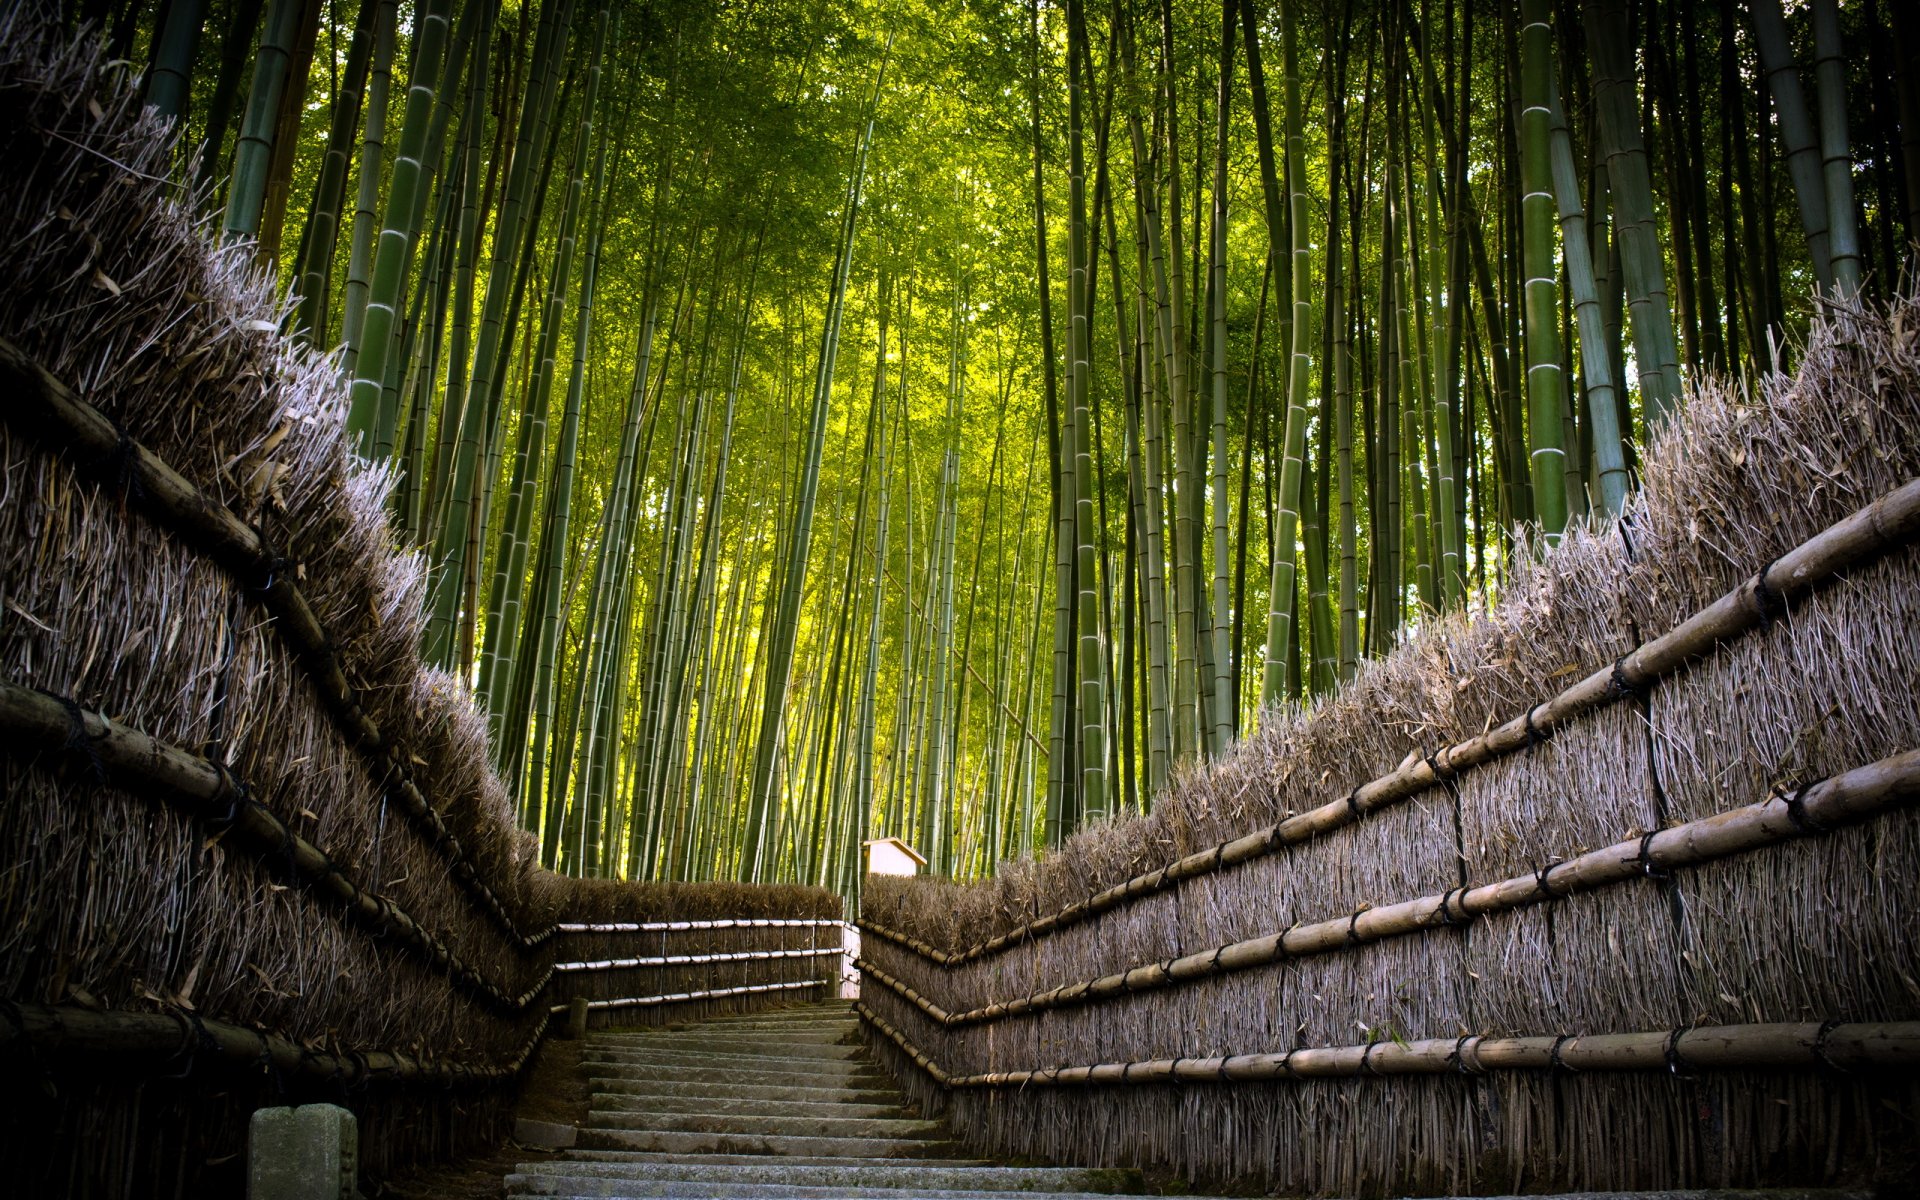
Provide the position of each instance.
(961, 420)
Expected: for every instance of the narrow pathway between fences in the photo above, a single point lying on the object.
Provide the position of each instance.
(780, 1104)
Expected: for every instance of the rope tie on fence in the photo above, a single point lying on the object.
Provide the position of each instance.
(1543, 878)
(1457, 1057)
(193, 1039)
(1366, 1059)
(1820, 1045)
(1555, 1061)
(1354, 811)
(1803, 820)
(1770, 601)
(119, 463)
(1676, 1065)
(1446, 907)
(1621, 686)
(1353, 926)
(1644, 858)
(1534, 736)
(79, 741)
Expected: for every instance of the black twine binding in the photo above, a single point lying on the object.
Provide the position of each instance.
(1648, 867)
(1771, 601)
(1354, 811)
(79, 741)
(1620, 686)
(1353, 923)
(1366, 1059)
(1676, 1064)
(1803, 820)
(1534, 736)
(1446, 907)
(1457, 1057)
(1543, 877)
(1554, 1060)
(1820, 1045)
(120, 465)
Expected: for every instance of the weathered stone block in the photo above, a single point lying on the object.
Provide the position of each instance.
(544, 1135)
(307, 1153)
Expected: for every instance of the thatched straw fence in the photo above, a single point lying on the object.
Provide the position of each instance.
(1612, 886)
(251, 850)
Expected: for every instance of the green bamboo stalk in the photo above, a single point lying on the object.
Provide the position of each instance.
(756, 841)
(1616, 113)
(1836, 163)
(1545, 385)
(1284, 587)
(252, 154)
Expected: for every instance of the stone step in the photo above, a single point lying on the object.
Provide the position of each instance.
(840, 1020)
(644, 1102)
(777, 1126)
(582, 1189)
(707, 1088)
(803, 1045)
(865, 1175)
(752, 1160)
(773, 1058)
(677, 1142)
(868, 1080)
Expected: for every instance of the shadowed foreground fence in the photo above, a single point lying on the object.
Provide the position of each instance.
(1611, 887)
(251, 849)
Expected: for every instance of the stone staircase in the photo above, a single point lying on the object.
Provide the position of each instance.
(783, 1105)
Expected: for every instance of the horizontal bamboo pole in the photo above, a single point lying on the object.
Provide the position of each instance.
(1868, 533)
(750, 989)
(43, 406)
(1789, 1046)
(176, 1041)
(694, 960)
(721, 923)
(208, 792)
(1856, 795)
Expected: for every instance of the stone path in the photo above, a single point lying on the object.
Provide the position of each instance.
(781, 1105)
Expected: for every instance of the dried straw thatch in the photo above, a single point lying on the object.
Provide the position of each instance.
(1814, 929)
(365, 897)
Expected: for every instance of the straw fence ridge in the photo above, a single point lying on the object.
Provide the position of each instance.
(1657, 799)
(254, 850)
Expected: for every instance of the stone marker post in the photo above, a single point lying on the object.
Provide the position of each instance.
(307, 1153)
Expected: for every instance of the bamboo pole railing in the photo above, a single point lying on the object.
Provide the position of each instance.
(1830, 1046)
(695, 960)
(1853, 796)
(719, 923)
(1887, 523)
(178, 1041)
(208, 792)
(42, 406)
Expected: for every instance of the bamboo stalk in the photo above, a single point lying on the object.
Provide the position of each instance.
(1800, 1045)
(1864, 792)
(1889, 522)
